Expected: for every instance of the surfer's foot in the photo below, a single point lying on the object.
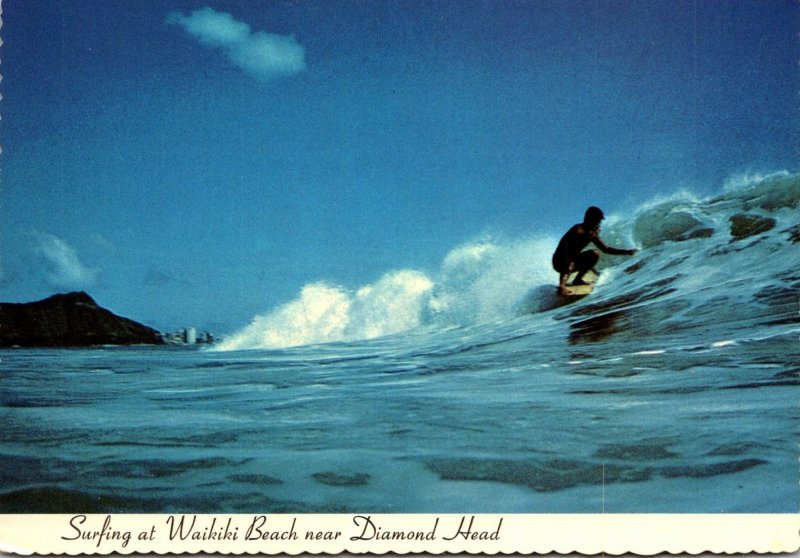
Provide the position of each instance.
(578, 282)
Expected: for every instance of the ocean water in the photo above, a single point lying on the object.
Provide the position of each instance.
(672, 388)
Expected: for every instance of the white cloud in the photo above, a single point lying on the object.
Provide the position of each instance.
(212, 28)
(101, 242)
(63, 268)
(262, 55)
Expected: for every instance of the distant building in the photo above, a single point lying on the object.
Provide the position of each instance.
(188, 336)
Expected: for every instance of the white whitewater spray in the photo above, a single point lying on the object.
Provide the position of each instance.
(480, 281)
(318, 315)
(488, 280)
(323, 314)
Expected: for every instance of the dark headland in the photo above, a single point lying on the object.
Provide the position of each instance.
(69, 320)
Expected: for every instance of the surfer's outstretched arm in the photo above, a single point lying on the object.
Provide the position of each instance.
(610, 249)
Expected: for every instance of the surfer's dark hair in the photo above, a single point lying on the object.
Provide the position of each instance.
(593, 215)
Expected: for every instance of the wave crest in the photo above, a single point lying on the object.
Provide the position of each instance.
(488, 280)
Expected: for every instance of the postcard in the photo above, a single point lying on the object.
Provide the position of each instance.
(368, 277)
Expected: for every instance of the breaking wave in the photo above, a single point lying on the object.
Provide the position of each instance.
(489, 279)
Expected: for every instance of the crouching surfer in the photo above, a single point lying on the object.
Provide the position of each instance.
(570, 256)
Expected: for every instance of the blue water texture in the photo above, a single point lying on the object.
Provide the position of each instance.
(672, 388)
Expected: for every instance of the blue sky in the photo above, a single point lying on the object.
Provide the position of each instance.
(196, 163)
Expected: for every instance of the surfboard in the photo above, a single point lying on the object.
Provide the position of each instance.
(577, 290)
(580, 290)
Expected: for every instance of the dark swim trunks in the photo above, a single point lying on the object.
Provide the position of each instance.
(569, 256)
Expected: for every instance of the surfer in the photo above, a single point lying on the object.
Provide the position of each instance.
(570, 255)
